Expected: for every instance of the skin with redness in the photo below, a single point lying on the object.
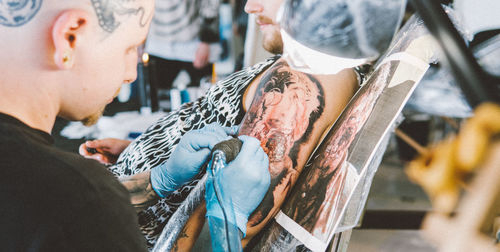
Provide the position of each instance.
(285, 108)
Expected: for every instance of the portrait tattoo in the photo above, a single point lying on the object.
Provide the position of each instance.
(14, 13)
(110, 12)
(285, 108)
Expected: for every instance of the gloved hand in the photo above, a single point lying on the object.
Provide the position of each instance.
(245, 182)
(188, 157)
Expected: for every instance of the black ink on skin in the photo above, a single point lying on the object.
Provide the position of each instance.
(276, 81)
(107, 12)
(15, 13)
(183, 234)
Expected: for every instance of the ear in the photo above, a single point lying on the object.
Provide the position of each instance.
(67, 32)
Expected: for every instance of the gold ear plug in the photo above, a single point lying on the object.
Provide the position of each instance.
(66, 57)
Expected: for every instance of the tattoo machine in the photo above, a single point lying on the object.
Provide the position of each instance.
(222, 154)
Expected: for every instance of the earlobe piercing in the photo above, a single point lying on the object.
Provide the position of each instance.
(66, 57)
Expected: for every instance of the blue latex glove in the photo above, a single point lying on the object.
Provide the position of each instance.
(246, 180)
(188, 157)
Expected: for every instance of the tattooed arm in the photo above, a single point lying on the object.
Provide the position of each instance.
(289, 113)
(141, 191)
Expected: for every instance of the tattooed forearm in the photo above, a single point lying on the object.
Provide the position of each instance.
(15, 13)
(182, 235)
(141, 191)
(110, 12)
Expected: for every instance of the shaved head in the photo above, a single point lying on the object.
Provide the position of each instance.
(110, 13)
(68, 56)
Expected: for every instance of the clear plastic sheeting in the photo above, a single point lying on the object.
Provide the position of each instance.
(459, 24)
(439, 95)
(171, 231)
(359, 195)
(353, 29)
(229, 238)
(488, 55)
(478, 15)
(330, 193)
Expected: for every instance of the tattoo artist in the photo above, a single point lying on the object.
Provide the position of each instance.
(69, 59)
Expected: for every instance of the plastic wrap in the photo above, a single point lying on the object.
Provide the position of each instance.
(331, 191)
(337, 34)
(478, 16)
(229, 238)
(174, 226)
(228, 234)
(438, 94)
(488, 55)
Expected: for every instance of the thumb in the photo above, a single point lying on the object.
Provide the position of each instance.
(202, 155)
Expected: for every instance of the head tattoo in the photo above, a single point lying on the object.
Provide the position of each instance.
(14, 13)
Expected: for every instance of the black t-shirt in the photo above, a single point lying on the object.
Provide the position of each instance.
(53, 200)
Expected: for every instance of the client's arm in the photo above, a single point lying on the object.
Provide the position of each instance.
(141, 191)
(289, 113)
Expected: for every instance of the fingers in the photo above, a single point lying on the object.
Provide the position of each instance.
(232, 131)
(86, 150)
(204, 154)
(200, 140)
(97, 156)
(100, 158)
(208, 136)
(250, 145)
(254, 158)
(83, 150)
(265, 178)
(228, 131)
(95, 144)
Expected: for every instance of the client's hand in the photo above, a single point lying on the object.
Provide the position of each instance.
(188, 157)
(106, 150)
(245, 181)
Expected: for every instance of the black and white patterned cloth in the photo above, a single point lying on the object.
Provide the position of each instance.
(223, 103)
